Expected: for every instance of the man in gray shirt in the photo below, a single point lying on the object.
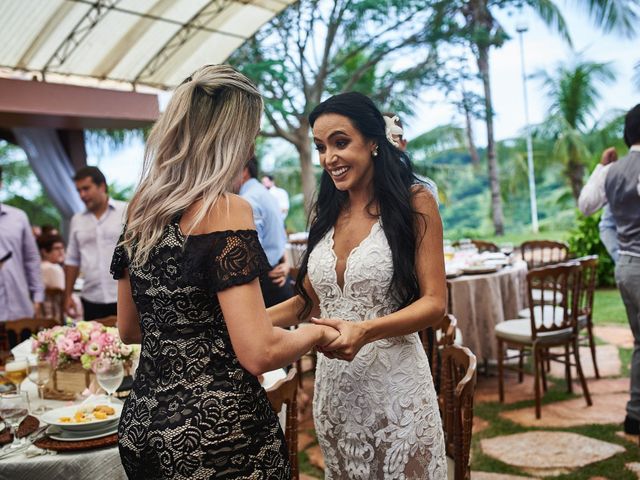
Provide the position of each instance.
(21, 289)
(93, 236)
(617, 183)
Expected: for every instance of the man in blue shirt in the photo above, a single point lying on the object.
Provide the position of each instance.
(275, 285)
(21, 288)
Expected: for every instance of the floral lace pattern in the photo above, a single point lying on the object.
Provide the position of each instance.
(376, 417)
(194, 412)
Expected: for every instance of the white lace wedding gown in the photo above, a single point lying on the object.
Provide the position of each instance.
(376, 417)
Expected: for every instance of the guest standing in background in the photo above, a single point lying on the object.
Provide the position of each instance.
(616, 183)
(93, 236)
(21, 290)
(52, 252)
(281, 195)
(394, 124)
(275, 284)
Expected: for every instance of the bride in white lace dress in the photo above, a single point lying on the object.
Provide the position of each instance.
(374, 270)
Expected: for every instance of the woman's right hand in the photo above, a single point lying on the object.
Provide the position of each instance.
(329, 334)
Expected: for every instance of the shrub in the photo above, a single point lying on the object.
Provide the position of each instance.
(584, 239)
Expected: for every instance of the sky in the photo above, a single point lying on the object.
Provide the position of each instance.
(543, 51)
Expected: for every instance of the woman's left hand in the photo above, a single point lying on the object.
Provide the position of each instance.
(348, 344)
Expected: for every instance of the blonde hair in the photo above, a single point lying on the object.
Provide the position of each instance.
(195, 151)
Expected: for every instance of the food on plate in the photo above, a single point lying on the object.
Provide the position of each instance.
(89, 413)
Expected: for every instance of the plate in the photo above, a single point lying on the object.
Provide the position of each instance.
(453, 272)
(52, 417)
(479, 269)
(57, 433)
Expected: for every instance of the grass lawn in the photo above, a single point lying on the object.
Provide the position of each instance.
(608, 307)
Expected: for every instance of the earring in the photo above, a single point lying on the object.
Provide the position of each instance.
(375, 151)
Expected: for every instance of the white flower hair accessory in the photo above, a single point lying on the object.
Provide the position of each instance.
(392, 128)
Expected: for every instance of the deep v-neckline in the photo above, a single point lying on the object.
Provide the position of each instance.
(346, 263)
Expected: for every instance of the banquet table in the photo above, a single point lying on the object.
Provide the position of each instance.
(96, 464)
(481, 301)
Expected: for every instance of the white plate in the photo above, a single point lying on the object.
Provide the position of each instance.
(479, 269)
(56, 433)
(52, 417)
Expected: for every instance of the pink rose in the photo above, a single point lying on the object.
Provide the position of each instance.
(74, 335)
(94, 349)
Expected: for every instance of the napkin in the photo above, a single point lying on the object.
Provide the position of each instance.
(33, 451)
(22, 350)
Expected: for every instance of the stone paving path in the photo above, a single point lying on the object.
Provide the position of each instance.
(547, 454)
(529, 451)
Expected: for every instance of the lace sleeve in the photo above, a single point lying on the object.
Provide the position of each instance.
(238, 259)
(120, 260)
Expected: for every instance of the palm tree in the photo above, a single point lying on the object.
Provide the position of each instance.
(478, 27)
(574, 91)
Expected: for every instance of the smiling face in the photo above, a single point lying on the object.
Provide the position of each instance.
(344, 152)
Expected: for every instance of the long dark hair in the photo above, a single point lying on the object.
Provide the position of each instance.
(393, 180)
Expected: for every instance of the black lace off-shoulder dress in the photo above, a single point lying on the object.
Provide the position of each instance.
(194, 412)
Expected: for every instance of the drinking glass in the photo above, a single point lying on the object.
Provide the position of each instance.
(506, 248)
(39, 373)
(14, 407)
(109, 374)
(15, 369)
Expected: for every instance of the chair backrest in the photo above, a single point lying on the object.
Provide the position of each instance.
(459, 372)
(538, 253)
(481, 245)
(284, 392)
(443, 334)
(589, 277)
(559, 287)
(53, 305)
(18, 330)
(109, 321)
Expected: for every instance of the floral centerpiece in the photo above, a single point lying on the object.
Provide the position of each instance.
(74, 350)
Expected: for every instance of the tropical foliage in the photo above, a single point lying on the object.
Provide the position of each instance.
(573, 91)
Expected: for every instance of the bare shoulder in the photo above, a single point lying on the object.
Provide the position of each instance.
(232, 212)
(423, 202)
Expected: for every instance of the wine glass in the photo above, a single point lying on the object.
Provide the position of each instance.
(109, 373)
(506, 248)
(39, 372)
(15, 370)
(14, 407)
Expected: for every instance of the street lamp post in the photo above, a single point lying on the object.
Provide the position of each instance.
(521, 28)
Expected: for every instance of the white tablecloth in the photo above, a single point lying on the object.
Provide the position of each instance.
(480, 302)
(101, 464)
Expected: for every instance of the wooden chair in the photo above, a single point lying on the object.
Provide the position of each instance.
(110, 321)
(589, 277)
(539, 253)
(550, 325)
(482, 246)
(284, 392)
(459, 373)
(15, 331)
(53, 305)
(443, 335)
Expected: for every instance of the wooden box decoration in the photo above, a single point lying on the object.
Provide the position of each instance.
(68, 380)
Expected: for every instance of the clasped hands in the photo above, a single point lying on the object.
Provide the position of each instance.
(347, 344)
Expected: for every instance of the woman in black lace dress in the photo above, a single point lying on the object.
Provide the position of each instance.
(188, 265)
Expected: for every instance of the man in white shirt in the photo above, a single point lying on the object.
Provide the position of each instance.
(92, 239)
(280, 194)
(616, 183)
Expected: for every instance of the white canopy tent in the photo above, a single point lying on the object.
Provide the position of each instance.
(138, 45)
(140, 42)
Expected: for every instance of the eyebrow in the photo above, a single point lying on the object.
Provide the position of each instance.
(333, 134)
